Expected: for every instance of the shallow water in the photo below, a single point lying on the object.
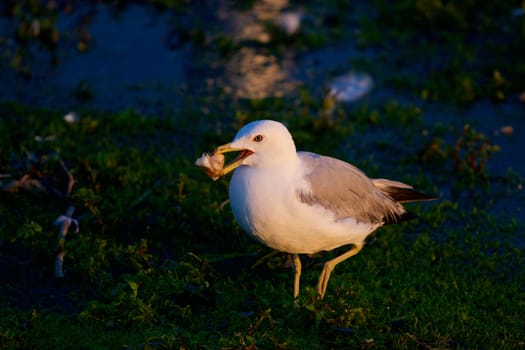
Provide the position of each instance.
(128, 63)
(142, 59)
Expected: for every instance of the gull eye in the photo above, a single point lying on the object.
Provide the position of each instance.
(258, 138)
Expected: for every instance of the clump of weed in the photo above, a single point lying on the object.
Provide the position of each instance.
(467, 155)
(472, 151)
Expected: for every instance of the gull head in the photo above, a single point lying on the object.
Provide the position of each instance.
(262, 143)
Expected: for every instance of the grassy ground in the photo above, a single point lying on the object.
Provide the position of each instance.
(159, 263)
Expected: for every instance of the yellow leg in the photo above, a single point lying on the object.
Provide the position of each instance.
(297, 277)
(329, 267)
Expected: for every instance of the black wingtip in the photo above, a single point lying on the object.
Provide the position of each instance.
(405, 195)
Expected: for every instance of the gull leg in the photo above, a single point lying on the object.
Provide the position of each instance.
(297, 273)
(329, 267)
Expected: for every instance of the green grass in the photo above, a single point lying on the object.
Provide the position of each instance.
(160, 263)
(453, 51)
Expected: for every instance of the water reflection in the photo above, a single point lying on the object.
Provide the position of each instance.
(254, 72)
(250, 24)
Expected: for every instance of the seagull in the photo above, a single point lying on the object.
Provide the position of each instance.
(303, 202)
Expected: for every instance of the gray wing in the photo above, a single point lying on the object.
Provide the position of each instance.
(345, 190)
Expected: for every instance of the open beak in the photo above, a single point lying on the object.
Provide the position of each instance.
(241, 156)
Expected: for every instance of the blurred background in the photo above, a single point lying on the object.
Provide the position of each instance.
(152, 55)
(159, 57)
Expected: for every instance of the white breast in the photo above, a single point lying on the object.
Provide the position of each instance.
(265, 204)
